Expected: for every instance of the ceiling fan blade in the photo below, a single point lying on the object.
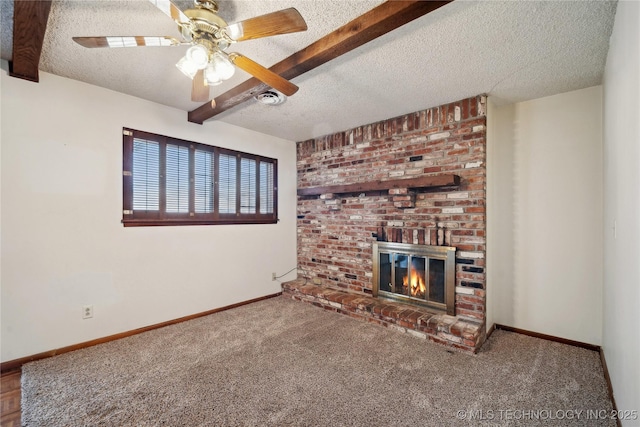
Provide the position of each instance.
(127, 41)
(199, 89)
(172, 11)
(263, 74)
(282, 22)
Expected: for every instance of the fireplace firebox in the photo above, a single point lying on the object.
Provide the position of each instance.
(418, 274)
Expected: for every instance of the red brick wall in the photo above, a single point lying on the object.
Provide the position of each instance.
(336, 232)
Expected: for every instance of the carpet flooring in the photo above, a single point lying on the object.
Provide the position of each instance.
(280, 362)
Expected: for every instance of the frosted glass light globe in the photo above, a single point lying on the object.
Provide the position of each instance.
(223, 67)
(187, 67)
(198, 55)
(211, 76)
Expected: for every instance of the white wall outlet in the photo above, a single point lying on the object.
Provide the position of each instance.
(273, 277)
(87, 311)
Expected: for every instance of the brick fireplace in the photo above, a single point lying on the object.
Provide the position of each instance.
(415, 179)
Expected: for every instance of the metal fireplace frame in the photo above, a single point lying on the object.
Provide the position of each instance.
(446, 253)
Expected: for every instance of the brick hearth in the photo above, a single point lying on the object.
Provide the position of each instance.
(418, 321)
(341, 215)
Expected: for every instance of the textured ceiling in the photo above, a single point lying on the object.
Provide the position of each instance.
(512, 50)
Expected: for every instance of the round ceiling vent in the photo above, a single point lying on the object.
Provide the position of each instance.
(271, 97)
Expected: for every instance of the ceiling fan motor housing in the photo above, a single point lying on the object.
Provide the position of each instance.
(206, 26)
(212, 5)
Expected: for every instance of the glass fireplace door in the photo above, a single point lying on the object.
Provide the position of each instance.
(415, 273)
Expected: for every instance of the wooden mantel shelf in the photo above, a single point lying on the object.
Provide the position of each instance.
(423, 182)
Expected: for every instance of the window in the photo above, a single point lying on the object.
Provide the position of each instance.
(167, 181)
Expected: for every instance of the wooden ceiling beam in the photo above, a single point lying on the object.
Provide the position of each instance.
(382, 19)
(29, 25)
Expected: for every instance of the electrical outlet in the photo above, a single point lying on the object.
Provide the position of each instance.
(273, 277)
(87, 311)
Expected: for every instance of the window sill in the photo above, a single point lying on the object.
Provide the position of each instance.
(156, 222)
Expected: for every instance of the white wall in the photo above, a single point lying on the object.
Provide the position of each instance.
(545, 195)
(621, 341)
(63, 245)
(500, 260)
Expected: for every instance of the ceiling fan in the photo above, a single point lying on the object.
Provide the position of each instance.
(206, 61)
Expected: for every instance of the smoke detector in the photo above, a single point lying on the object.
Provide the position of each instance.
(271, 97)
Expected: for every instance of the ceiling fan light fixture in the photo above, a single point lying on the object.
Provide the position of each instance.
(198, 55)
(206, 61)
(187, 67)
(211, 76)
(222, 66)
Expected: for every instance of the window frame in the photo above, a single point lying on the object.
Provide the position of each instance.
(134, 218)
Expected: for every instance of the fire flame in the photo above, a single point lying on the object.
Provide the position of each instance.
(415, 283)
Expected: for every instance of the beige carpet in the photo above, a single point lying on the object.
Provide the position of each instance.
(283, 363)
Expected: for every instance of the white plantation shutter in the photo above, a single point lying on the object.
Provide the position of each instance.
(146, 175)
(177, 175)
(266, 188)
(227, 184)
(247, 186)
(204, 172)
